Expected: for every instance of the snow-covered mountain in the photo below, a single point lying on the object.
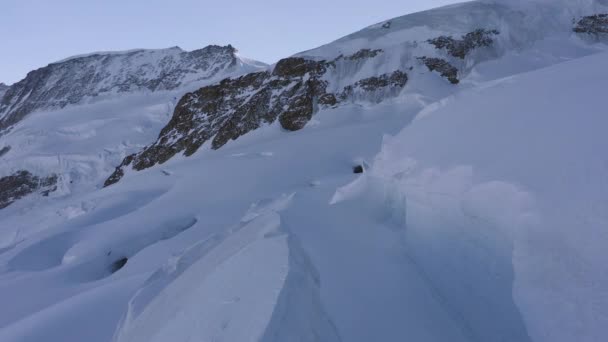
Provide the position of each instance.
(89, 111)
(105, 74)
(439, 176)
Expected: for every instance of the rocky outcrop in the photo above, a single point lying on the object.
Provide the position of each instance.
(76, 79)
(362, 54)
(593, 24)
(397, 79)
(23, 183)
(442, 66)
(291, 94)
(460, 48)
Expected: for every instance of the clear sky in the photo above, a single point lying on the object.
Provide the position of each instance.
(34, 33)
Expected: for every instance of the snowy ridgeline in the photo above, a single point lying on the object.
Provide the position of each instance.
(479, 215)
(102, 75)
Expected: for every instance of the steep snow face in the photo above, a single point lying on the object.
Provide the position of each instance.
(506, 202)
(81, 78)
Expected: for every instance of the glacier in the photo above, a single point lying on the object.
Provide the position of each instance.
(480, 214)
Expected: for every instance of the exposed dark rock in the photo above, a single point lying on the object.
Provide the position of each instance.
(298, 67)
(395, 79)
(23, 183)
(442, 66)
(359, 55)
(119, 171)
(69, 82)
(118, 264)
(291, 94)
(4, 150)
(593, 24)
(358, 169)
(363, 54)
(460, 48)
(329, 100)
(386, 25)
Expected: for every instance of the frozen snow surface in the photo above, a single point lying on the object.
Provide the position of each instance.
(481, 214)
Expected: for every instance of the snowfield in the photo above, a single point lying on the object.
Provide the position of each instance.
(481, 214)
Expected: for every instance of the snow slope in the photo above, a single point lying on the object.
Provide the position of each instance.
(480, 216)
(521, 188)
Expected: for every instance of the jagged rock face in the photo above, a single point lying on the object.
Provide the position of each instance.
(71, 81)
(442, 66)
(23, 183)
(396, 79)
(362, 54)
(460, 48)
(291, 93)
(594, 24)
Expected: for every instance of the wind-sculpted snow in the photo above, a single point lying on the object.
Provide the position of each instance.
(496, 236)
(277, 299)
(77, 79)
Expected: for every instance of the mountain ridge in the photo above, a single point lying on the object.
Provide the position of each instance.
(84, 77)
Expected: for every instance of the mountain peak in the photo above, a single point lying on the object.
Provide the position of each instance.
(84, 77)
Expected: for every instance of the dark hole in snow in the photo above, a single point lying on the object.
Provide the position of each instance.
(118, 264)
(358, 169)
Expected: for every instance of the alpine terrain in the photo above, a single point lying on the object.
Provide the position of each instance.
(440, 176)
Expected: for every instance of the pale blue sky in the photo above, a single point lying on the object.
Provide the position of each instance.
(34, 33)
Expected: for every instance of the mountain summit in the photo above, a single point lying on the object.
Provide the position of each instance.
(87, 77)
